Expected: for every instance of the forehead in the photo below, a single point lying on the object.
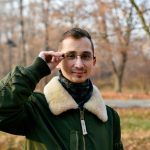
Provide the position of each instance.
(78, 45)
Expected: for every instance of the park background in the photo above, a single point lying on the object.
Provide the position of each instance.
(121, 34)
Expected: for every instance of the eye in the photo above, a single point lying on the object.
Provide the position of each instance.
(86, 56)
(70, 56)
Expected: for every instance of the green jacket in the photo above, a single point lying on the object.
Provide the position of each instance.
(52, 121)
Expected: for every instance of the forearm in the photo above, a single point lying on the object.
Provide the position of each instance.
(16, 93)
(18, 85)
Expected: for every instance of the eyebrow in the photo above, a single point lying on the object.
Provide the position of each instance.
(76, 52)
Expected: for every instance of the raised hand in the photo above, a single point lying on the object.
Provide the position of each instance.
(52, 58)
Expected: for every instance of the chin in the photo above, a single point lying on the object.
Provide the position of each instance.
(78, 80)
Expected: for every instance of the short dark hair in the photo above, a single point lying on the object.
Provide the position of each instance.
(77, 33)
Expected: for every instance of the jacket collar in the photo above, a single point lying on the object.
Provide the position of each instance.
(60, 101)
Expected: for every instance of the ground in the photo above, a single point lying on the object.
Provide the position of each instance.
(125, 95)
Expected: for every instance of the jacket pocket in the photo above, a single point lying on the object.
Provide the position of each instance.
(74, 140)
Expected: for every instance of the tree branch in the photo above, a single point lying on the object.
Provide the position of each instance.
(142, 19)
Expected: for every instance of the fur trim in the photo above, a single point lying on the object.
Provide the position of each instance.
(59, 100)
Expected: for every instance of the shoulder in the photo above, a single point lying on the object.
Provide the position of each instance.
(112, 113)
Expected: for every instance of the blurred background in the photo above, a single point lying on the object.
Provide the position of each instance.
(121, 34)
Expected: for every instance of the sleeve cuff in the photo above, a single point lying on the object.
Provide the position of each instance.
(40, 68)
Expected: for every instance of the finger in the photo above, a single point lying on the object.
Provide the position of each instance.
(48, 58)
(52, 53)
(53, 56)
(57, 59)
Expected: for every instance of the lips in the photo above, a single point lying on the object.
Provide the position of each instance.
(79, 73)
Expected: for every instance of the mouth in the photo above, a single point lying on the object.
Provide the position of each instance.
(79, 73)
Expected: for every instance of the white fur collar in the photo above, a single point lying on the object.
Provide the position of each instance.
(59, 100)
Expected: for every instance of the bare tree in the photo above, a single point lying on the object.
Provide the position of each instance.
(115, 38)
(23, 41)
(119, 59)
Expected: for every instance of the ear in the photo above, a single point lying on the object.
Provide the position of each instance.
(94, 60)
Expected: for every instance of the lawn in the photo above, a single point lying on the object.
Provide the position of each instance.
(135, 124)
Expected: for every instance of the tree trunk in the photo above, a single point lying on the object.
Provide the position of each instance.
(118, 64)
(45, 7)
(22, 33)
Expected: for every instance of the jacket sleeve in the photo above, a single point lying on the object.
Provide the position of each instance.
(16, 90)
(117, 132)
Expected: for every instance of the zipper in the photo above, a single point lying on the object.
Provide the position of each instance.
(84, 132)
(84, 147)
(83, 126)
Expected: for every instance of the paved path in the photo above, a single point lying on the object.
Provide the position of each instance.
(128, 103)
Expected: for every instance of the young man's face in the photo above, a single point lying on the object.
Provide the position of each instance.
(79, 60)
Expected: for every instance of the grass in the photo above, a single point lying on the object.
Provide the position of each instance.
(135, 125)
(135, 119)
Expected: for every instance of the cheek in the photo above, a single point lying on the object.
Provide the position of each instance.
(66, 65)
(90, 68)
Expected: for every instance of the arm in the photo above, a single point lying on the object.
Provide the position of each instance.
(15, 94)
(117, 132)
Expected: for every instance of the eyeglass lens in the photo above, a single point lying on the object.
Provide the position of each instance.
(86, 56)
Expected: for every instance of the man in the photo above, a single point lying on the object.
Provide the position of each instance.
(71, 114)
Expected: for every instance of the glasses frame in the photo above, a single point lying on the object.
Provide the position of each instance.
(84, 56)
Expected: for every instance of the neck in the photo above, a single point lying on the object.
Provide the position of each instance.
(81, 92)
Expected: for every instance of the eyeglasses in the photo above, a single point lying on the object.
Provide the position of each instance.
(85, 56)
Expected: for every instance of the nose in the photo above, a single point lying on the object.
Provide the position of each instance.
(78, 62)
